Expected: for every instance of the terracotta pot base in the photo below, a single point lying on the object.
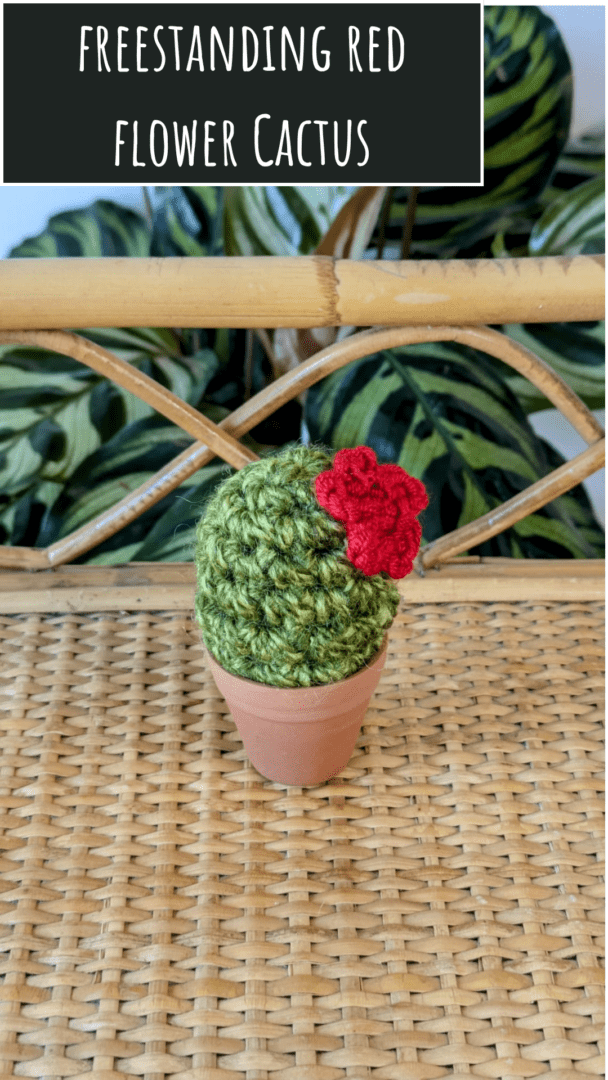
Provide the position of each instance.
(301, 735)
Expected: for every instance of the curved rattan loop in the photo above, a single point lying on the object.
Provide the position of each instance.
(289, 386)
(130, 378)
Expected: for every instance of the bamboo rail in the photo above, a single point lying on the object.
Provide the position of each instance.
(163, 586)
(305, 291)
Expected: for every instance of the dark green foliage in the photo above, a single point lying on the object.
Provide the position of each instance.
(527, 107)
(445, 415)
(104, 228)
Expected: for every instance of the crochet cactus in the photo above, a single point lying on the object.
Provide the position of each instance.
(278, 600)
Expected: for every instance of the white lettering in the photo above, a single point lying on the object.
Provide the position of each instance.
(321, 124)
(366, 158)
(269, 66)
(120, 46)
(353, 41)
(136, 163)
(228, 132)
(141, 45)
(176, 30)
(159, 47)
(153, 126)
(102, 38)
(197, 47)
(208, 140)
(348, 142)
(300, 136)
(188, 139)
(391, 65)
(373, 45)
(256, 137)
(227, 59)
(245, 31)
(83, 46)
(299, 59)
(324, 52)
(284, 144)
(119, 142)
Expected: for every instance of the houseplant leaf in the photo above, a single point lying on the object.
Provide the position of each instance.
(444, 414)
(527, 107)
(575, 350)
(280, 220)
(573, 225)
(582, 158)
(187, 221)
(52, 420)
(125, 462)
(55, 412)
(103, 228)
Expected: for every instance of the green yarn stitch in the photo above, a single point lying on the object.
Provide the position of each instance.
(277, 601)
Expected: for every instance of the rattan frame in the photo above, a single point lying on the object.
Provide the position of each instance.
(222, 439)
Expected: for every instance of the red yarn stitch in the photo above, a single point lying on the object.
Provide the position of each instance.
(378, 505)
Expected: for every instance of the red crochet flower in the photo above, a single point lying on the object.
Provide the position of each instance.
(378, 505)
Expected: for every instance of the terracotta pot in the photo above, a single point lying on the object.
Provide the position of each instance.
(302, 735)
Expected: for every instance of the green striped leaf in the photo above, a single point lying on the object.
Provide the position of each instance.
(575, 350)
(582, 159)
(54, 412)
(125, 462)
(527, 109)
(166, 532)
(104, 228)
(574, 224)
(280, 220)
(52, 421)
(446, 416)
(188, 221)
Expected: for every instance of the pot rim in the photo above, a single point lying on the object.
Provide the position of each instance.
(297, 691)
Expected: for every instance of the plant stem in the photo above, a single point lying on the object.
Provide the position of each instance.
(386, 210)
(148, 205)
(406, 239)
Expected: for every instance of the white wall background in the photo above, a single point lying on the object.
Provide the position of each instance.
(24, 211)
(583, 30)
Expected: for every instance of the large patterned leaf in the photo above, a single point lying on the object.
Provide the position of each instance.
(188, 221)
(129, 459)
(527, 108)
(573, 225)
(280, 220)
(243, 220)
(55, 413)
(582, 159)
(575, 350)
(103, 228)
(445, 415)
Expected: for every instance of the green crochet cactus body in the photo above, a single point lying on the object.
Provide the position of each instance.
(276, 599)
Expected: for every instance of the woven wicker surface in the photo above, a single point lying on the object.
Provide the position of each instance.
(436, 910)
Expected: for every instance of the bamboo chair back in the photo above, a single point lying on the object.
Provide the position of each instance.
(577, 284)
